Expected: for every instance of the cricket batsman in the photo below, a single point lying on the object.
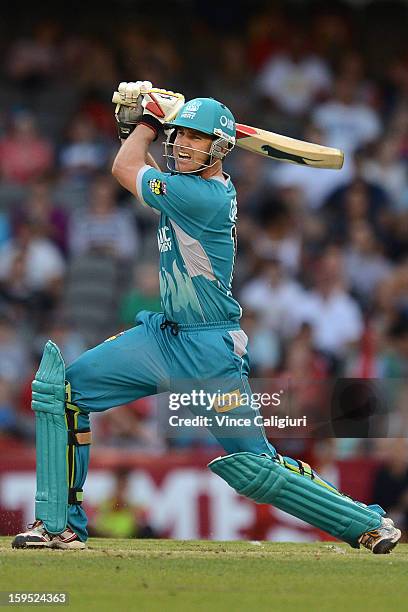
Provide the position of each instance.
(197, 338)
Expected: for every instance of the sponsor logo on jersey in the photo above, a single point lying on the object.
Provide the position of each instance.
(114, 337)
(233, 210)
(163, 239)
(227, 401)
(157, 186)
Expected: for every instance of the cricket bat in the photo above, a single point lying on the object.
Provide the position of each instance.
(281, 148)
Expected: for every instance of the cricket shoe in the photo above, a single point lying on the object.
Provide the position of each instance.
(38, 537)
(382, 540)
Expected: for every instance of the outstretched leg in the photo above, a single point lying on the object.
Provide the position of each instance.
(255, 469)
(293, 486)
(218, 358)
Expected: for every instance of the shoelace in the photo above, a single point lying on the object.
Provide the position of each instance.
(369, 538)
(173, 326)
(36, 523)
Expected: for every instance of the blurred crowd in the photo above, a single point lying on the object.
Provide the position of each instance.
(322, 266)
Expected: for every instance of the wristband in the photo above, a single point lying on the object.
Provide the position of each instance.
(151, 122)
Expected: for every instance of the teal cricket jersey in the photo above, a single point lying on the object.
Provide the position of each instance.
(197, 244)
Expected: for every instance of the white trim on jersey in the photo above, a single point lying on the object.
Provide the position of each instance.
(139, 187)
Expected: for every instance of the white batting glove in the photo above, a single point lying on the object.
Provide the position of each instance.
(129, 110)
(150, 105)
(129, 92)
(160, 106)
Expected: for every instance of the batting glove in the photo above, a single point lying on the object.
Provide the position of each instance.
(159, 107)
(129, 109)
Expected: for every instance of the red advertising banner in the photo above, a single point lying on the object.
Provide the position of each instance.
(179, 497)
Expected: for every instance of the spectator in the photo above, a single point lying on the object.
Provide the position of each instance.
(43, 265)
(271, 296)
(24, 154)
(354, 202)
(104, 227)
(365, 265)
(280, 237)
(41, 211)
(348, 123)
(387, 169)
(391, 301)
(334, 316)
(303, 373)
(295, 79)
(31, 275)
(118, 517)
(352, 67)
(268, 34)
(84, 154)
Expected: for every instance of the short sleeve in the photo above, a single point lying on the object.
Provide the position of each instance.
(189, 200)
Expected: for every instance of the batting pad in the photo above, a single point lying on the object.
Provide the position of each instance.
(267, 481)
(48, 403)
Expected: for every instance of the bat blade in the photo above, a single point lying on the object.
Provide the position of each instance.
(283, 148)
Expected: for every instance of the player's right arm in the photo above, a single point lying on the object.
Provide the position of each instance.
(131, 157)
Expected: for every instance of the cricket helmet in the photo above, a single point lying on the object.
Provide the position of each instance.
(210, 117)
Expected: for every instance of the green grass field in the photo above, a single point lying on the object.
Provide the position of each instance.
(166, 575)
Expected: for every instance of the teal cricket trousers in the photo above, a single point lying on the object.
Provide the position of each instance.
(152, 358)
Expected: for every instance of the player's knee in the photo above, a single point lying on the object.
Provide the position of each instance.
(80, 372)
(81, 381)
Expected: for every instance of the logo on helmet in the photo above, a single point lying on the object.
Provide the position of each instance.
(190, 109)
(193, 106)
(225, 122)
